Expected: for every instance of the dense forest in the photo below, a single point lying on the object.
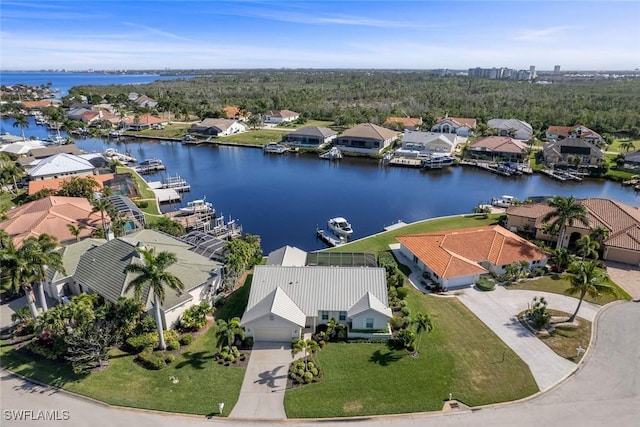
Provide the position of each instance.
(356, 96)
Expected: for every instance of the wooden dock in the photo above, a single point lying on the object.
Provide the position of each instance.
(503, 168)
(561, 175)
(329, 239)
(405, 162)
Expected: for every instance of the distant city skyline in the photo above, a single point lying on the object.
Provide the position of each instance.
(145, 35)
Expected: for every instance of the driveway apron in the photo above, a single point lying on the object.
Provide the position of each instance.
(264, 384)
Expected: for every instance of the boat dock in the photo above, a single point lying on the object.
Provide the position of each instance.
(561, 175)
(166, 195)
(503, 168)
(329, 239)
(395, 225)
(176, 183)
(149, 169)
(405, 161)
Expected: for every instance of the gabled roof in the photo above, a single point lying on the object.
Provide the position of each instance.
(458, 121)
(555, 147)
(144, 119)
(418, 137)
(282, 113)
(366, 303)
(55, 183)
(566, 131)
(220, 124)
(22, 147)
(71, 257)
(313, 131)
(506, 124)
(502, 144)
(455, 253)
(37, 104)
(369, 131)
(288, 256)
(313, 289)
(60, 164)
(633, 156)
(405, 121)
(51, 215)
(278, 303)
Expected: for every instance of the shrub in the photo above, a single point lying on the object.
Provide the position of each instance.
(538, 312)
(486, 284)
(142, 204)
(402, 292)
(173, 345)
(140, 342)
(248, 342)
(41, 350)
(406, 311)
(196, 317)
(146, 325)
(186, 339)
(171, 335)
(397, 323)
(308, 377)
(235, 351)
(169, 359)
(151, 359)
(230, 357)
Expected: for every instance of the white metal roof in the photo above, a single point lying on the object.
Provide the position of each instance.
(368, 302)
(289, 256)
(279, 304)
(61, 164)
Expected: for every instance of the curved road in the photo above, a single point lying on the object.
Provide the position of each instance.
(605, 391)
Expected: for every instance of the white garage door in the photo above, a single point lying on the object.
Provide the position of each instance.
(272, 334)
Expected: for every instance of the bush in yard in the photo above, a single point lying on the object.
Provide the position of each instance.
(146, 325)
(186, 339)
(303, 374)
(486, 284)
(140, 342)
(247, 342)
(406, 311)
(397, 323)
(406, 338)
(402, 292)
(195, 317)
(538, 312)
(173, 345)
(151, 359)
(169, 359)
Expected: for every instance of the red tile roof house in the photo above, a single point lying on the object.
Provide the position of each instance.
(280, 116)
(366, 138)
(457, 258)
(410, 123)
(143, 121)
(622, 221)
(579, 131)
(499, 147)
(461, 126)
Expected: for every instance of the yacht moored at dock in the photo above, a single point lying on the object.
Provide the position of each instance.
(275, 148)
(504, 201)
(333, 154)
(150, 166)
(112, 153)
(197, 206)
(340, 227)
(176, 183)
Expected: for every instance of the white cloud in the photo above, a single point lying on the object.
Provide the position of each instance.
(544, 33)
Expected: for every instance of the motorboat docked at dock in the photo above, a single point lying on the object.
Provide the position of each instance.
(113, 154)
(340, 227)
(504, 201)
(197, 206)
(333, 154)
(274, 147)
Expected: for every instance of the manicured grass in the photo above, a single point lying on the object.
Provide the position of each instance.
(564, 342)
(381, 242)
(461, 356)
(202, 381)
(319, 123)
(174, 130)
(255, 137)
(235, 303)
(615, 145)
(6, 200)
(557, 284)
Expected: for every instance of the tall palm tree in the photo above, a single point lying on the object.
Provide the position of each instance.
(226, 332)
(600, 234)
(17, 271)
(561, 258)
(306, 346)
(587, 247)
(566, 211)
(423, 324)
(22, 122)
(75, 231)
(42, 254)
(10, 172)
(153, 273)
(585, 278)
(627, 145)
(102, 205)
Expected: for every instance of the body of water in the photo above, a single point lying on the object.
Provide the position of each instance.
(62, 81)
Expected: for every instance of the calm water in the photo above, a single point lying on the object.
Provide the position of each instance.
(65, 81)
(283, 198)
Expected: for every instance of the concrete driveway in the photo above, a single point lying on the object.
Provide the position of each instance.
(265, 381)
(498, 309)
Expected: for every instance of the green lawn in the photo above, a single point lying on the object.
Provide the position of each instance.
(615, 146)
(255, 137)
(381, 242)
(235, 303)
(6, 201)
(557, 285)
(461, 356)
(319, 123)
(174, 130)
(202, 382)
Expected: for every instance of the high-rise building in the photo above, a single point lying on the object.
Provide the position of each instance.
(556, 69)
(532, 72)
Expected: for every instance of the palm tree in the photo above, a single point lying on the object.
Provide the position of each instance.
(153, 272)
(523, 268)
(17, 271)
(585, 278)
(600, 234)
(334, 328)
(561, 258)
(423, 324)
(226, 332)
(76, 230)
(307, 346)
(627, 146)
(566, 211)
(22, 122)
(10, 172)
(102, 205)
(587, 247)
(42, 254)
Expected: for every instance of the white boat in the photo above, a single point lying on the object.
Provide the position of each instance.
(333, 154)
(504, 201)
(340, 227)
(274, 147)
(112, 153)
(152, 163)
(197, 206)
(434, 162)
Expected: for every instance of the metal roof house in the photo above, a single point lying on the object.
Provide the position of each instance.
(284, 302)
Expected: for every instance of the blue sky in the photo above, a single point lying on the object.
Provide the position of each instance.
(79, 35)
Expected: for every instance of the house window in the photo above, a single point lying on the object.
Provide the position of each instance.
(342, 316)
(369, 323)
(415, 259)
(271, 317)
(325, 315)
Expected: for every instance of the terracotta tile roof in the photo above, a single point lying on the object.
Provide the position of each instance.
(145, 119)
(460, 121)
(51, 215)
(455, 253)
(371, 131)
(37, 104)
(534, 210)
(502, 144)
(565, 131)
(406, 121)
(54, 184)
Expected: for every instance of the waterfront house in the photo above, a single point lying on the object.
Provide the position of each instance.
(632, 160)
(425, 143)
(288, 256)
(280, 116)
(514, 128)
(144, 101)
(459, 125)
(60, 165)
(52, 215)
(39, 104)
(55, 183)
(97, 266)
(85, 115)
(572, 152)
(218, 127)
(499, 147)
(366, 138)
(577, 131)
(310, 136)
(40, 153)
(457, 258)
(403, 123)
(621, 220)
(143, 121)
(287, 301)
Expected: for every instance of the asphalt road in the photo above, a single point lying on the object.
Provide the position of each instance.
(604, 392)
